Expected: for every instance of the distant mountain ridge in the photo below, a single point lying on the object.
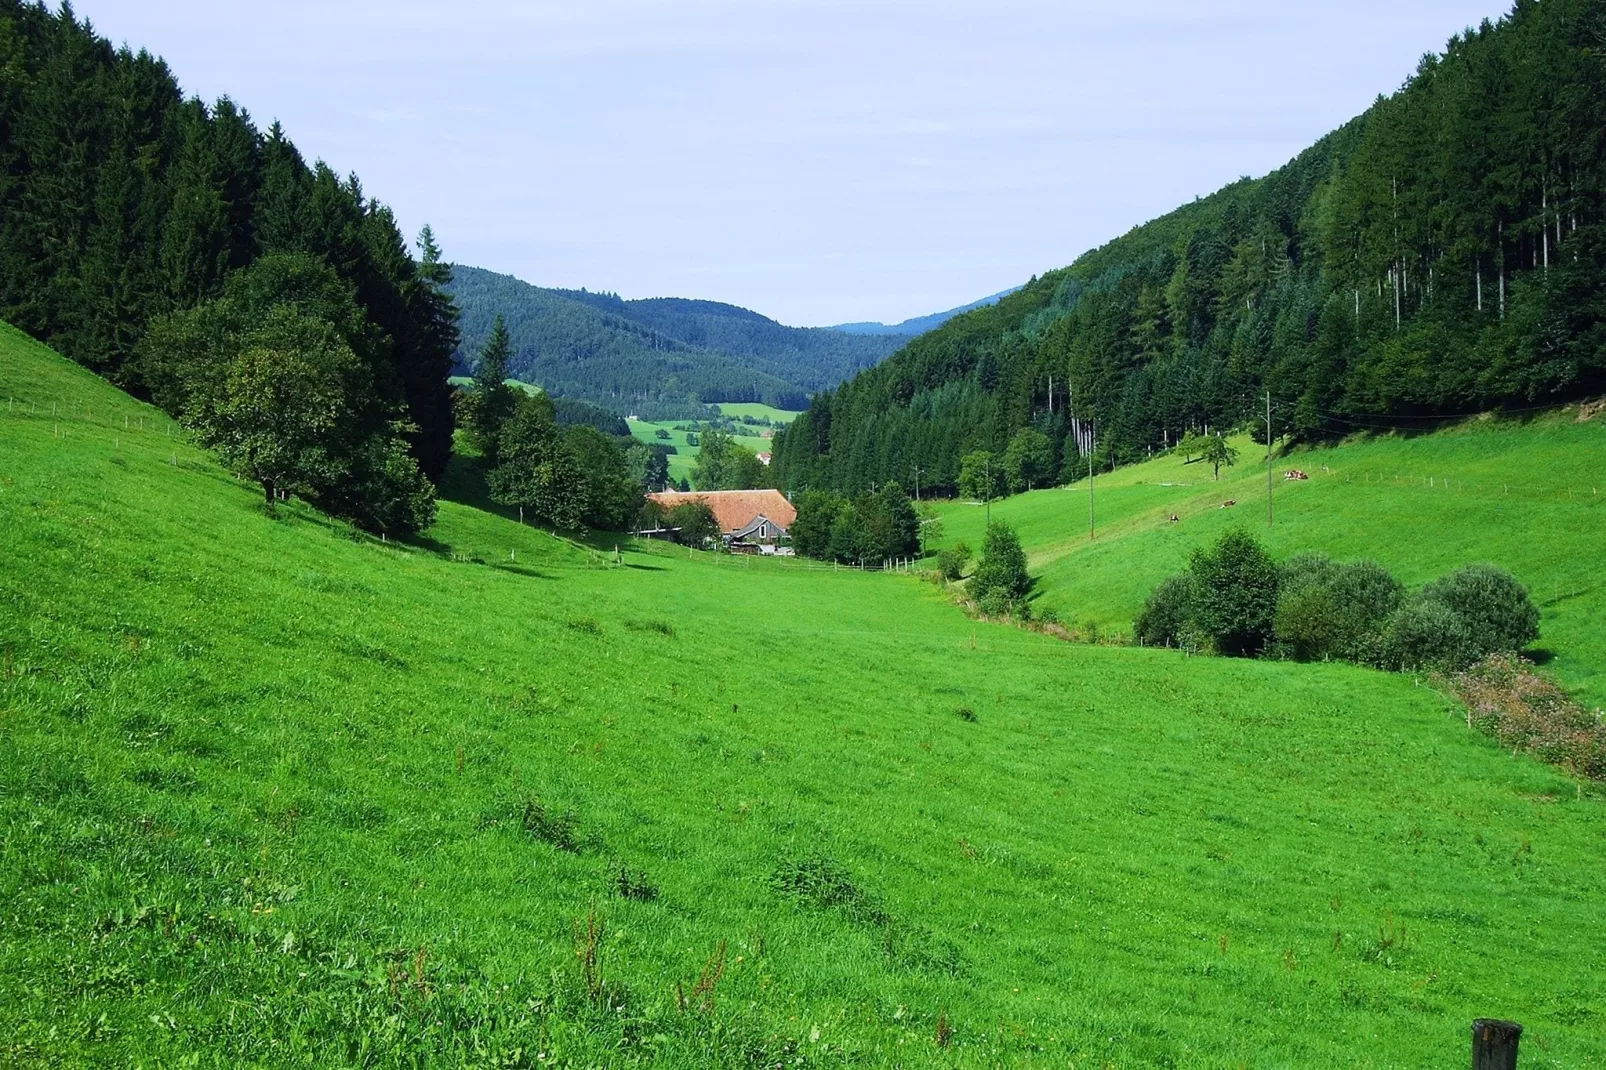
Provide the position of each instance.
(920, 324)
(656, 353)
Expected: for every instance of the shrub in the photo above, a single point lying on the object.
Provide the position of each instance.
(1002, 567)
(1427, 634)
(1329, 610)
(1498, 614)
(952, 561)
(994, 603)
(1309, 624)
(1368, 596)
(1235, 594)
(1166, 613)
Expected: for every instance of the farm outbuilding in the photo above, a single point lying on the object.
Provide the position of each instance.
(745, 517)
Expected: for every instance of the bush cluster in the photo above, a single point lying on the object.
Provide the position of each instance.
(1000, 582)
(1235, 600)
(951, 562)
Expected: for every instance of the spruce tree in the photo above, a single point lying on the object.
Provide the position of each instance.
(494, 399)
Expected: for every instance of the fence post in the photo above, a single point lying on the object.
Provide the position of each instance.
(1494, 1044)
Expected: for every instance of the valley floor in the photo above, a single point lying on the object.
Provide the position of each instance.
(272, 793)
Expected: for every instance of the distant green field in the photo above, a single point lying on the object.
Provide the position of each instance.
(685, 457)
(1530, 496)
(757, 411)
(278, 795)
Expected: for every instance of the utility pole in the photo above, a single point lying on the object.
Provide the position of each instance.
(917, 484)
(1270, 484)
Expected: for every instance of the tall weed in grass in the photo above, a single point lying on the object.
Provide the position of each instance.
(1506, 698)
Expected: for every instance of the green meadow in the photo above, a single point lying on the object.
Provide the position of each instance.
(274, 793)
(738, 409)
(1527, 495)
(684, 459)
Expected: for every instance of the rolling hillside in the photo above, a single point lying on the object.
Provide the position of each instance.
(276, 794)
(1443, 253)
(664, 356)
(1529, 495)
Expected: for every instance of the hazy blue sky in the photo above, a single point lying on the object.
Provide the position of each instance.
(819, 161)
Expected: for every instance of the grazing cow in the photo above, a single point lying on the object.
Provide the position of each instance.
(1228, 504)
(1294, 473)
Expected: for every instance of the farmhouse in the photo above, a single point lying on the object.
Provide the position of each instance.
(745, 517)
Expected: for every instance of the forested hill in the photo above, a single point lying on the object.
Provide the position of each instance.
(656, 352)
(1443, 253)
(122, 203)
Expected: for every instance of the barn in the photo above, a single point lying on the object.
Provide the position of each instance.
(745, 517)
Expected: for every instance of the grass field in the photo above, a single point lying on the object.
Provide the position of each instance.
(273, 794)
(1530, 496)
(739, 409)
(684, 459)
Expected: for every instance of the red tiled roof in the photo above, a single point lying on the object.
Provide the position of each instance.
(735, 509)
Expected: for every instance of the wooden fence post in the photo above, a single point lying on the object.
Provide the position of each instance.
(1494, 1044)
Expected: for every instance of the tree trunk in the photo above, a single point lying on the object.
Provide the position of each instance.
(1544, 221)
(1502, 273)
(1494, 1044)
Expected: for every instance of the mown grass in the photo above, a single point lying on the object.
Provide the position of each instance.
(738, 409)
(684, 459)
(275, 794)
(1528, 495)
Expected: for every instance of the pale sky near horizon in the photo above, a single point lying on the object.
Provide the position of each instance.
(819, 161)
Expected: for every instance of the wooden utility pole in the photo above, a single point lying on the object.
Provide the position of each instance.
(1494, 1044)
(1271, 517)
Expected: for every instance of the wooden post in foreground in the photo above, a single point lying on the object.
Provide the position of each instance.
(1494, 1044)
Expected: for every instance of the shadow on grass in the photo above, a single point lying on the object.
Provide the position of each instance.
(427, 544)
(522, 570)
(465, 483)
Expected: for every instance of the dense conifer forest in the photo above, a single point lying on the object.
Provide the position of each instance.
(665, 356)
(1443, 253)
(122, 202)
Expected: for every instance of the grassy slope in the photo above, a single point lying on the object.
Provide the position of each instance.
(1530, 496)
(737, 410)
(685, 458)
(258, 783)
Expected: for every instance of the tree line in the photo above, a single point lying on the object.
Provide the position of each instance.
(189, 256)
(1442, 254)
